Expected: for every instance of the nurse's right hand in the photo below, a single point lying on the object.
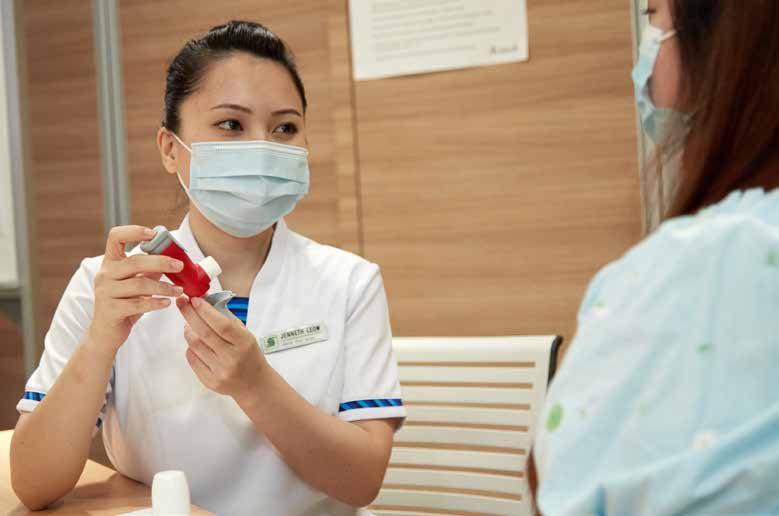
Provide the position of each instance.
(124, 287)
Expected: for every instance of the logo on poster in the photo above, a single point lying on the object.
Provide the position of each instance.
(496, 50)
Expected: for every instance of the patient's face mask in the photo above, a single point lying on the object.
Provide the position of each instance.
(244, 187)
(657, 122)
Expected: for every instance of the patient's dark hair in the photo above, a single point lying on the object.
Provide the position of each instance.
(729, 53)
(188, 67)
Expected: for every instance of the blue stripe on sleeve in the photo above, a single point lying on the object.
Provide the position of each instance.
(378, 403)
(34, 396)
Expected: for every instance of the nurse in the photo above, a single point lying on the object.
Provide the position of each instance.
(288, 407)
(667, 400)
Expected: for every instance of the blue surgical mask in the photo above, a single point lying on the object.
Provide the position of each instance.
(657, 122)
(244, 187)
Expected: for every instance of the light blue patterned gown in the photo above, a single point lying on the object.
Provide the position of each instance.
(668, 400)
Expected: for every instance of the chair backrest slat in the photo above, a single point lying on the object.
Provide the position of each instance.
(453, 479)
(447, 501)
(477, 395)
(457, 436)
(523, 375)
(458, 459)
(469, 415)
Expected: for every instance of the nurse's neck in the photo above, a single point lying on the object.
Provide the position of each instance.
(240, 258)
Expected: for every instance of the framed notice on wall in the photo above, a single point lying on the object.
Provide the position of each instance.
(402, 37)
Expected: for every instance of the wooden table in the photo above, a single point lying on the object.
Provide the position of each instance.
(100, 491)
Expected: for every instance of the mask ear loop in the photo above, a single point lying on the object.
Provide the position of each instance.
(179, 140)
(181, 181)
(666, 36)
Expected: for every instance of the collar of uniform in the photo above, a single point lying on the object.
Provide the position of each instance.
(269, 269)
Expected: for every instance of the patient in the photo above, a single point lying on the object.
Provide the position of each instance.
(668, 401)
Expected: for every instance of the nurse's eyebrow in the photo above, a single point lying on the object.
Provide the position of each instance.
(289, 111)
(237, 107)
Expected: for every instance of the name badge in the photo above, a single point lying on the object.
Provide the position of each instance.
(294, 338)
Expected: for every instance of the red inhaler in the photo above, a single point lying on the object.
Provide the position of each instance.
(194, 278)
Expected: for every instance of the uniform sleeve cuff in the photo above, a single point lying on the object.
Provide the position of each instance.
(26, 405)
(31, 400)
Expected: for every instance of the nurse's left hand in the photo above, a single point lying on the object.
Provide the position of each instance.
(222, 352)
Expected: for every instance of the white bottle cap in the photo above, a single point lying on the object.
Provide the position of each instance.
(170, 494)
(211, 267)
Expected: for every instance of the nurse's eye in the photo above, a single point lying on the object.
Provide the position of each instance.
(230, 125)
(288, 128)
(649, 11)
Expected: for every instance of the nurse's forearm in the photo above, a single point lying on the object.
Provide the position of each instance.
(341, 459)
(51, 444)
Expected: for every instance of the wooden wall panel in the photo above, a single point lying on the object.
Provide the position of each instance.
(345, 139)
(64, 147)
(12, 377)
(152, 35)
(491, 196)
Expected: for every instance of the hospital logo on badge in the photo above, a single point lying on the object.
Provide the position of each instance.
(270, 342)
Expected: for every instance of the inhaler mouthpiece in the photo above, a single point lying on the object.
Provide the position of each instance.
(210, 266)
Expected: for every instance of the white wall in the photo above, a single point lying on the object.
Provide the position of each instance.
(8, 266)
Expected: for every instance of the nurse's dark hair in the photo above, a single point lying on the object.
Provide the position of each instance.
(190, 64)
(729, 51)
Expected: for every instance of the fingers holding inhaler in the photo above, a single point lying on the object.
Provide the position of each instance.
(222, 352)
(127, 287)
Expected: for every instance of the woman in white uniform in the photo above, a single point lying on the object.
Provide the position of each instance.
(262, 420)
